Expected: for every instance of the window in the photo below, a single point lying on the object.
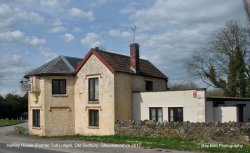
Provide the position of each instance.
(36, 117)
(175, 114)
(155, 113)
(149, 85)
(93, 117)
(58, 86)
(93, 89)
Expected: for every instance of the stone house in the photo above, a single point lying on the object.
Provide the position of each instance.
(86, 96)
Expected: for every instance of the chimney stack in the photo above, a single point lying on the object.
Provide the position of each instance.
(134, 57)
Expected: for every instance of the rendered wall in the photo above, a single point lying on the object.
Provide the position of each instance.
(125, 85)
(94, 68)
(36, 101)
(193, 108)
(225, 114)
(211, 115)
(56, 111)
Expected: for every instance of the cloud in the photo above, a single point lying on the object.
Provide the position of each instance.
(47, 53)
(12, 69)
(94, 3)
(68, 37)
(76, 12)
(128, 10)
(10, 16)
(49, 3)
(33, 17)
(183, 13)
(92, 40)
(35, 41)
(77, 29)
(57, 29)
(119, 34)
(20, 37)
(57, 22)
(170, 31)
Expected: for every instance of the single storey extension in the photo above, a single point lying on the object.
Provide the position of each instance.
(189, 105)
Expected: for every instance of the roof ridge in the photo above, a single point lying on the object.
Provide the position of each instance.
(67, 63)
(52, 62)
(71, 57)
(109, 52)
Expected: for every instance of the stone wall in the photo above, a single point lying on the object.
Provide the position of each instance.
(231, 132)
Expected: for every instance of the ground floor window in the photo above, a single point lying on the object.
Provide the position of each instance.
(175, 114)
(155, 114)
(93, 117)
(36, 117)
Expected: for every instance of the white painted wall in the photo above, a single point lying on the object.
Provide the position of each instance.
(210, 114)
(193, 108)
(225, 114)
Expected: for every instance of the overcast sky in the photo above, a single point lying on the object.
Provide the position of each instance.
(33, 32)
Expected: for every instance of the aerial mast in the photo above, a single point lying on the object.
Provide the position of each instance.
(133, 29)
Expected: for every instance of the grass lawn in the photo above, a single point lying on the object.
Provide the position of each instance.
(6, 122)
(169, 143)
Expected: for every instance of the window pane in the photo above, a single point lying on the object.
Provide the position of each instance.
(149, 85)
(91, 89)
(171, 113)
(179, 114)
(62, 87)
(55, 86)
(153, 114)
(96, 89)
(96, 118)
(160, 115)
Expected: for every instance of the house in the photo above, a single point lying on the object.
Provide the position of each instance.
(191, 105)
(86, 96)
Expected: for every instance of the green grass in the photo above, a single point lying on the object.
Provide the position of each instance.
(7, 122)
(168, 143)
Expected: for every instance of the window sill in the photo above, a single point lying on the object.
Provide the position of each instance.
(93, 102)
(93, 127)
(59, 95)
(36, 128)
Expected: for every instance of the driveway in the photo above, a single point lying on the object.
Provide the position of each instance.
(13, 143)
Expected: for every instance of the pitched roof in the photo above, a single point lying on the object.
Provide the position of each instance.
(121, 63)
(61, 65)
(64, 65)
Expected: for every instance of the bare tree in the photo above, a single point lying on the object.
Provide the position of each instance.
(222, 62)
(182, 86)
(246, 4)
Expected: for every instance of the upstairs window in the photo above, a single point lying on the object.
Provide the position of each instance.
(149, 85)
(59, 86)
(155, 114)
(175, 114)
(36, 117)
(93, 89)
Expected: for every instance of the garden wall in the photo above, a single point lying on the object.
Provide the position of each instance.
(231, 132)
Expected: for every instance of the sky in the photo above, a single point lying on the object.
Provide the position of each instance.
(32, 32)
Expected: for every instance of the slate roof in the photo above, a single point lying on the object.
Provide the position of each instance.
(64, 65)
(121, 63)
